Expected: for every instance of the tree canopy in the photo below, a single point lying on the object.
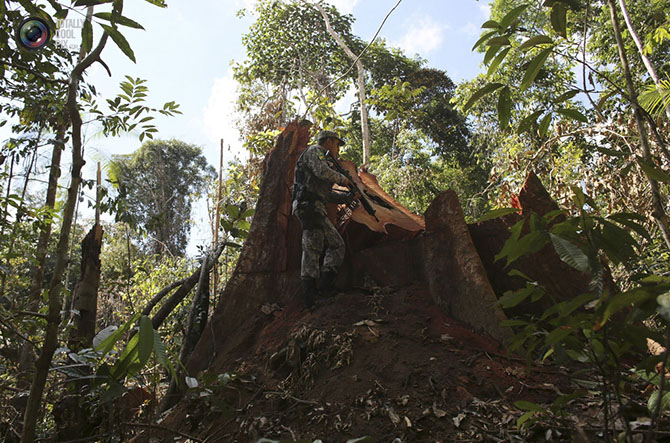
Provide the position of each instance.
(157, 186)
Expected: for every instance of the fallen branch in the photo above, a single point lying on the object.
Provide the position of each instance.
(161, 294)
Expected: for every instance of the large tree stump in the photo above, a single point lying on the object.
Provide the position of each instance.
(455, 274)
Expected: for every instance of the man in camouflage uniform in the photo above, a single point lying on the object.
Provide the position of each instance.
(312, 189)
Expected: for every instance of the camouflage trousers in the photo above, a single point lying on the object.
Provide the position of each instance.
(320, 233)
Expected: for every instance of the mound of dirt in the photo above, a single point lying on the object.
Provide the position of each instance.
(378, 362)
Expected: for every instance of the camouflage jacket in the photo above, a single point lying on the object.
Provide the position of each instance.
(314, 178)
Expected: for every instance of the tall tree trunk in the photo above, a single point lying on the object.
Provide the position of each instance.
(638, 44)
(56, 285)
(659, 210)
(27, 358)
(365, 128)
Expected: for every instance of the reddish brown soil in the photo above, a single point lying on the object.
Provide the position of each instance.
(407, 372)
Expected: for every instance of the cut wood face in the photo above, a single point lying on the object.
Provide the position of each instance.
(404, 224)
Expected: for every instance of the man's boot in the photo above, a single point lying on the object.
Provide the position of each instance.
(310, 292)
(327, 283)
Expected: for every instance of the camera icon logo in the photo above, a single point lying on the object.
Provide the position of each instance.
(33, 33)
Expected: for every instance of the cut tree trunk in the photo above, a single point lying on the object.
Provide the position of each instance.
(86, 292)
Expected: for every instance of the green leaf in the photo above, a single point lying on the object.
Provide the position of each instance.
(618, 243)
(91, 2)
(626, 169)
(628, 220)
(159, 3)
(534, 68)
(248, 213)
(503, 40)
(34, 10)
(496, 61)
(570, 253)
(118, 19)
(161, 354)
(483, 38)
(528, 406)
(535, 41)
(509, 18)
(517, 273)
(567, 95)
(653, 172)
(559, 19)
(87, 36)
(652, 403)
(579, 197)
(524, 418)
(512, 323)
(491, 24)
(544, 125)
(481, 93)
(491, 52)
(233, 211)
(573, 114)
(146, 342)
(127, 358)
(120, 41)
(612, 152)
(528, 121)
(512, 298)
(527, 244)
(504, 107)
(629, 298)
(498, 213)
(108, 343)
(557, 335)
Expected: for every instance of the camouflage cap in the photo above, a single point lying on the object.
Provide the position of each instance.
(329, 134)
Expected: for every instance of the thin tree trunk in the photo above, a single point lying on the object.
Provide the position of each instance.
(37, 272)
(5, 212)
(659, 210)
(650, 70)
(28, 356)
(56, 285)
(365, 128)
(638, 44)
(217, 216)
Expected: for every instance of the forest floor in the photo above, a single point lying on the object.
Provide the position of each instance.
(381, 363)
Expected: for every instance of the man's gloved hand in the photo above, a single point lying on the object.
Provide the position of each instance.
(350, 197)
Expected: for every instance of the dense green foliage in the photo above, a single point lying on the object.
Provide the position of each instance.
(554, 98)
(561, 99)
(294, 69)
